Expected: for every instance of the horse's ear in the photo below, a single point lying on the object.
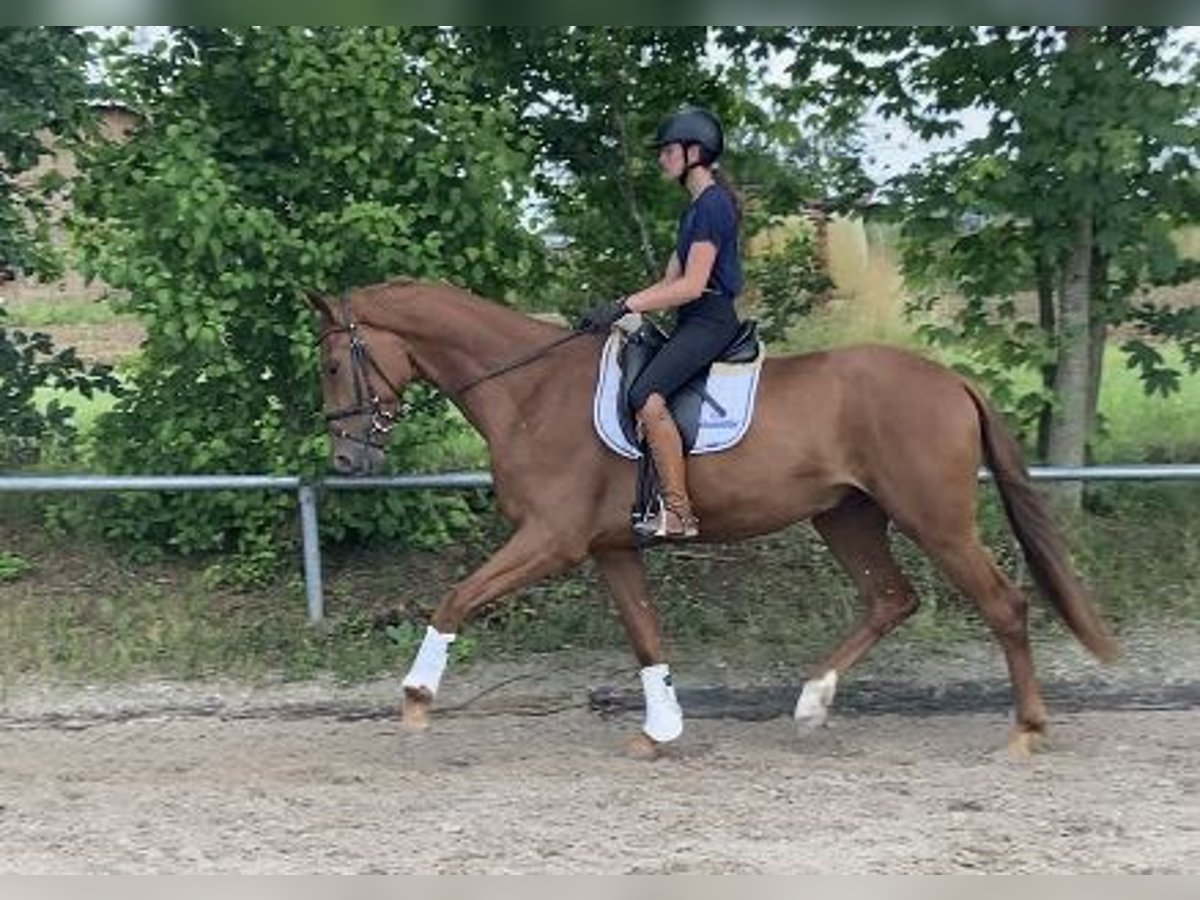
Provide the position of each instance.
(319, 303)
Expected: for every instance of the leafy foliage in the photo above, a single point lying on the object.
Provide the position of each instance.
(13, 566)
(267, 161)
(788, 282)
(1093, 124)
(42, 94)
(28, 363)
(590, 99)
(1181, 324)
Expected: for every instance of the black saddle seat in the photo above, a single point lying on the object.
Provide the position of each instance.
(744, 347)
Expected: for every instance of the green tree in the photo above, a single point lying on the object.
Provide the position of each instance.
(1087, 166)
(43, 89)
(267, 161)
(29, 430)
(590, 99)
(788, 282)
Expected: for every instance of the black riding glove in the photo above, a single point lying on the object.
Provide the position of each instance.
(602, 317)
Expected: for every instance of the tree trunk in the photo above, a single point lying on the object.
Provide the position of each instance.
(1047, 322)
(625, 180)
(1072, 381)
(1096, 345)
(610, 51)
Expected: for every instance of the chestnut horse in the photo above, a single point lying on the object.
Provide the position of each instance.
(853, 438)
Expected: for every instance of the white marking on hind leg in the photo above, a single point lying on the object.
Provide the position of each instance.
(812, 709)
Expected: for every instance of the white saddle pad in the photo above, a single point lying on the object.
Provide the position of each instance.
(732, 385)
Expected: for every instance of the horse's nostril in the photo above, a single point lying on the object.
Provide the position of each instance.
(343, 463)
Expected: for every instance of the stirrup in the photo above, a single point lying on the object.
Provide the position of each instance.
(667, 524)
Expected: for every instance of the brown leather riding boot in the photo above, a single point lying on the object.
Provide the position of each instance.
(674, 518)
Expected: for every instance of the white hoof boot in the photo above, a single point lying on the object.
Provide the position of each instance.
(664, 718)
(812, 709)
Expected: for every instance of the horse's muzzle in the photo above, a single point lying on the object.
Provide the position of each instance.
(355, 459)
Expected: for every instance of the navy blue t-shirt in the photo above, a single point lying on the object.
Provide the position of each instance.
(712, 217)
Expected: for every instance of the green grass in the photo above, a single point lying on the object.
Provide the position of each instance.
(73, 608)
(1140, 550)
(183, 632)
(87, 409)
(1137, 427)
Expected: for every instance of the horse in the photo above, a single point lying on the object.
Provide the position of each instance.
(856, 439)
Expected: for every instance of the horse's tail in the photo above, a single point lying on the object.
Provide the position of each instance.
(1045, 550)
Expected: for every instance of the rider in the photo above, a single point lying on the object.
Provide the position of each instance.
(702, 279)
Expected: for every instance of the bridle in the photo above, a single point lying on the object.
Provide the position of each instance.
(367, 401)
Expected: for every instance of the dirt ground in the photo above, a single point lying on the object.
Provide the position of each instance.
(518, 776)
(98, 343)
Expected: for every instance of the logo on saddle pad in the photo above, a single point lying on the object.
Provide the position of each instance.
(713, 410)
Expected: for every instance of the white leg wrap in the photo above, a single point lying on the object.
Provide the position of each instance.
(812, 709)
(664, 718)
(427, 668)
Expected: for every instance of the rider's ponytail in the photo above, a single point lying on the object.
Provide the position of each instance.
(726, 182)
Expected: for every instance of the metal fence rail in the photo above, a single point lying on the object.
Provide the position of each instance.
(1165, 472)
(306, 494)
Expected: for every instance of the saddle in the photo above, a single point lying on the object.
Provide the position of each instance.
(686, 404)
(712, 411)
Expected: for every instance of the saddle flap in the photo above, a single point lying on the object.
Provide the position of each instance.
(636, 349)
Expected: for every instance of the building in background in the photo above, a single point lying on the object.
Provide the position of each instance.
(116, 121)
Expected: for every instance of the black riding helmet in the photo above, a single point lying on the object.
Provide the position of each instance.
(693, 125)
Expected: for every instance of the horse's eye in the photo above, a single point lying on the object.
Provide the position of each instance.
(331, 369)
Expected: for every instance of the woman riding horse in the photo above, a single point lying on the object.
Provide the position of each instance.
(702, 280)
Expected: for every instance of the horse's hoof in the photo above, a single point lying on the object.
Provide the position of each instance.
(1023, 743)
(643, 747)
(415, 712)
(809, 722)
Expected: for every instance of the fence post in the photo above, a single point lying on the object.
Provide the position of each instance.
(311, 539)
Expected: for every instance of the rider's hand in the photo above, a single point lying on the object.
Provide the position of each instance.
(603, 316)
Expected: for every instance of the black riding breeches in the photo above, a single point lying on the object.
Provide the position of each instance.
(692, 345)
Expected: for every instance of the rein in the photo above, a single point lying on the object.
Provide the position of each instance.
(517, 363)
(384, 420)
